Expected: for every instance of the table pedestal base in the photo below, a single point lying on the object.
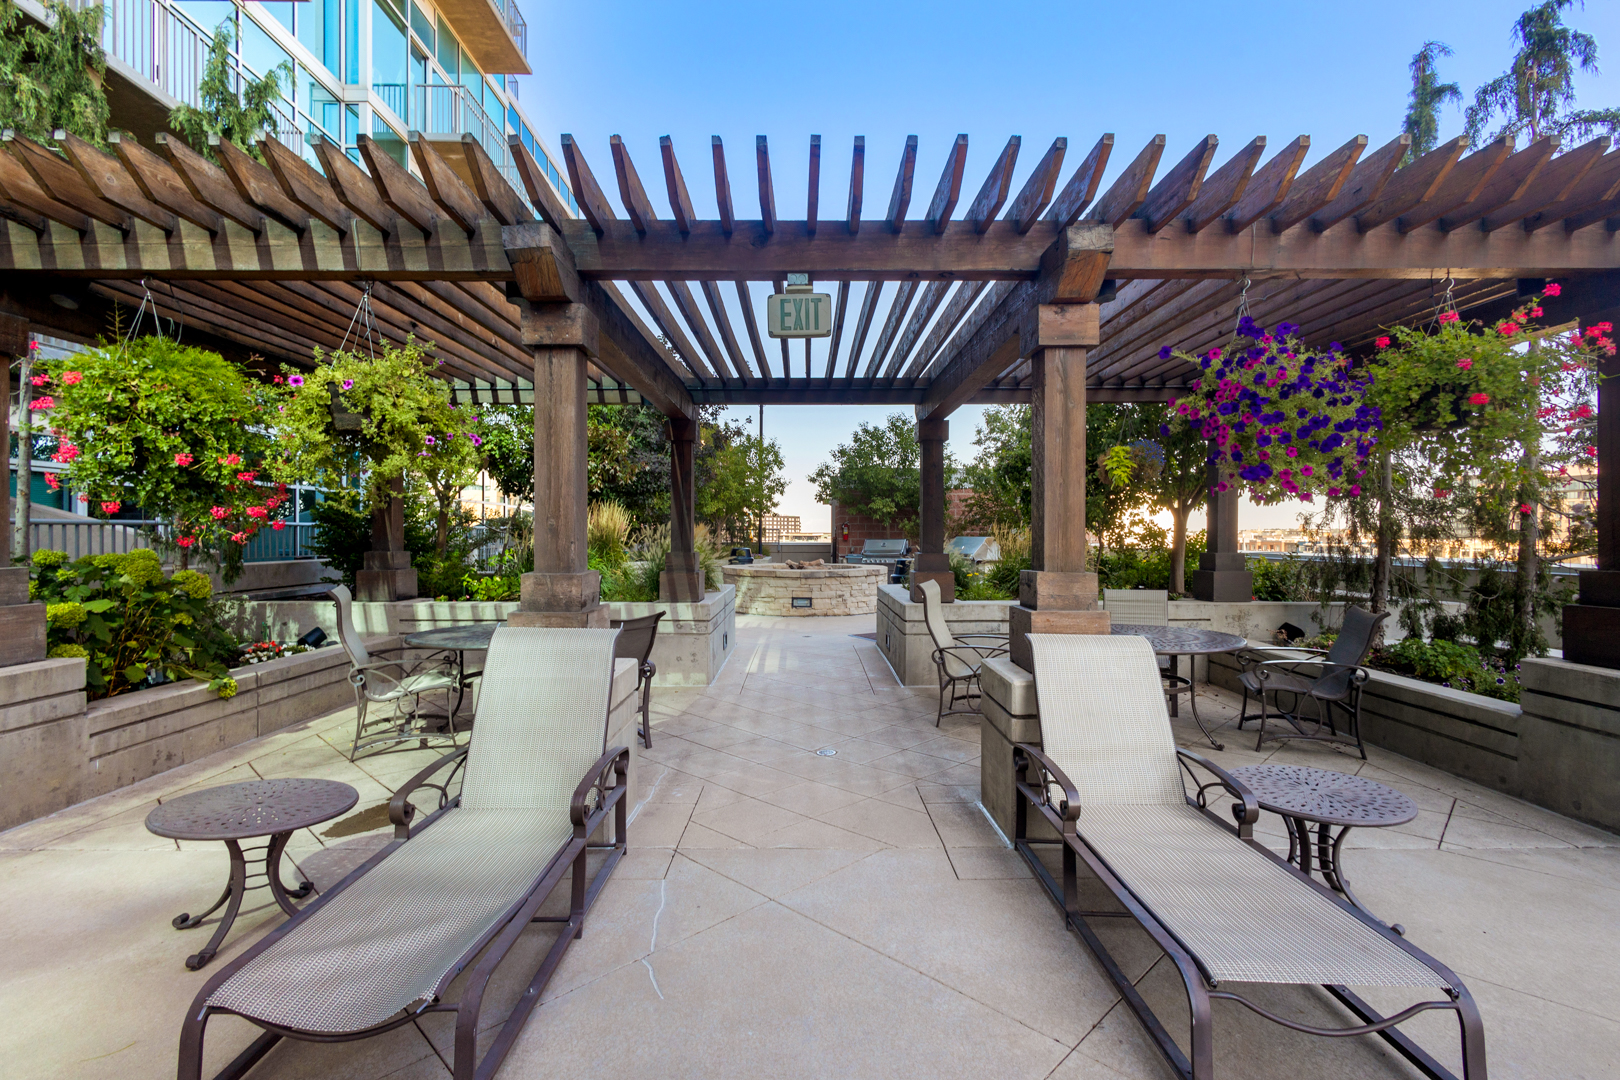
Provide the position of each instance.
(1328, 847)
(231, 898)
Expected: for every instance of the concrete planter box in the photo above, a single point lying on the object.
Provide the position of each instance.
(902, 633)
(55, 751)
(694, 640)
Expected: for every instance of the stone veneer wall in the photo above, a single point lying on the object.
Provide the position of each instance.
(763, 589)
(902, 633)
(56, 751)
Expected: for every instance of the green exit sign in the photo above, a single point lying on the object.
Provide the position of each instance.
(799, 315)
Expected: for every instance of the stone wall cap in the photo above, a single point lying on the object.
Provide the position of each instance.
(1010, 686)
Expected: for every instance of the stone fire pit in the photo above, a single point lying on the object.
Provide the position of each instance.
(840, 589)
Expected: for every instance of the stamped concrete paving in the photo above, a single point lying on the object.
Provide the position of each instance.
(789, 914)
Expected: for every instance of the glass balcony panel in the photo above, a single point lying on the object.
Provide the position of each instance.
(422, 23)
(281, 11)
(447, 51)
(389, 69)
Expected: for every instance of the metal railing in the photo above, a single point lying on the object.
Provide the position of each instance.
(170, 50)
(81, 538)
(517, 27)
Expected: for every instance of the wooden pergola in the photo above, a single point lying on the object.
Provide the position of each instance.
(1059, 293)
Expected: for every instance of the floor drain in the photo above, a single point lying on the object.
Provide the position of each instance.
(826, 751)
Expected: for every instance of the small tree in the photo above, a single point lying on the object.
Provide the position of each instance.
(877, 473)
(51, 77)
(1428, 94)
(745, 484)
(1532, 95)
(172, 428)
(241, 116)
(999, 476)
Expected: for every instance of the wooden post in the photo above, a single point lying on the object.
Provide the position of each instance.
(22, 625)
(563, 590)
(1057, 595)
(386, 574)
(1592, 627)
(932, 564)
(682, 578)
(1221, 577)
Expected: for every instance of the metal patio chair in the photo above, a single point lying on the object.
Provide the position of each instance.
(394, 683)
(1222, 906)
(1327, 680)
(636, 637)
(1151, 607)
(955, 656)
(461, 885)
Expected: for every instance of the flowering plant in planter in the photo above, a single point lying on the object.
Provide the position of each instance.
(1285, 420)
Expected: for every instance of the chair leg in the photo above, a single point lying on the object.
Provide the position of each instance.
(646, 723)
(1243, 709)
(359, 723)
(1262, 736)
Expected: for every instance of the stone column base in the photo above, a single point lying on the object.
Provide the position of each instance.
(22, 624)
(385, 586)
(1223, 586)
(933, 566)
(1023, 621)
(681, 580)
(560, 600)
(1591, 633)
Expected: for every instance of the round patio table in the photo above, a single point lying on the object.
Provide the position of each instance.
(1176, 642)
(460, 640)
(233, 812)
(1305, 796)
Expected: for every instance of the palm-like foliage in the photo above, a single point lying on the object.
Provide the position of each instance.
(1533, 93)
(1428, 94)
(50, 77)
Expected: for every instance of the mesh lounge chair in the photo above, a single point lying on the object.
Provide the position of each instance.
(636, 637)
(1223, 907)
(393, 683)
(460, 887)
(1327, 680)
(957, 658)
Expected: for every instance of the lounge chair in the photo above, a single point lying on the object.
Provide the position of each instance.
(957, 657)
(455, 891)
(1328, 680)
(397, 684)
(1222, 906)
(636, 637)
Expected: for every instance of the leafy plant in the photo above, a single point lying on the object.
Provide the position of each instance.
(999, 476)
(1450, 664)
(51, 77)
(241, 117)
(174, 429)
(1015, 558)
(1532, 95)
(1287, 421)
(877, 473)
(1428, 94)
(745, 482)
(343, 534)
(1282, 579)
(133, 626)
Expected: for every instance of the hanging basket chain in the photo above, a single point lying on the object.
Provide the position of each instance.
(366, 320)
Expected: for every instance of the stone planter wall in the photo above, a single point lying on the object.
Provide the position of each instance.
(903, 635)
(694, 640)
(55, 751)
(764, 589)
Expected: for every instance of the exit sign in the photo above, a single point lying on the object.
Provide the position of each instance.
(799, 313)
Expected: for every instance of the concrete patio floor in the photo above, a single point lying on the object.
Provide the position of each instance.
(789, 914)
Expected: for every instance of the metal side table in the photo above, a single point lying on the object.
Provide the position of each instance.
(234, 812)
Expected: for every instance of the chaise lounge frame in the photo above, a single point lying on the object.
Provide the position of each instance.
(1200, 986)
(600, 792)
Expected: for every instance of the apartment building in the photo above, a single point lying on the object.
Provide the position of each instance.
(381, 67)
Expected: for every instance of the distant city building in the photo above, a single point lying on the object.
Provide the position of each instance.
(778, 527)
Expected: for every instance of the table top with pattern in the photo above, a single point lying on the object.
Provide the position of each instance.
(1182, 640)
(1333, 798)
(252, 808)
(462, 638)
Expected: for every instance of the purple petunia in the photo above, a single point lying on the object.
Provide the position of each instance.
(348, 384)
(295, 380)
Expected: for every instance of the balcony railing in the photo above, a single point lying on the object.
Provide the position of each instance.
(118, 537)
(517, 27)
(170, 50)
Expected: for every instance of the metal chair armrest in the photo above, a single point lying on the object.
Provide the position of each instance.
(618, 759)
(1247, 809)
(1324, 669)
(1071, 795)
(1246, 656)
(400, 810)
(974, 655)
(986, 637)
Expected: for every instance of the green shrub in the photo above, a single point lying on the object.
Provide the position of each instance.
(1279, 579)
(1452, 664)
(133, 626)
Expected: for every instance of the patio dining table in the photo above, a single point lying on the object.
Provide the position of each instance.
(1176, 642)
(460, 640)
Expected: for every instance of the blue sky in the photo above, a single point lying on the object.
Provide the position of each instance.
(886, 70)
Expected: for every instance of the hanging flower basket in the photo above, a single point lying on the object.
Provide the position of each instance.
(1285, 421)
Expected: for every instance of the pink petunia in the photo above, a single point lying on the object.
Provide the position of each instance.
(295, 380)
(109, 507)
(1333, 492)
(73, 378)
(183, 460)
(1382, 343)
(1465, 363)
(348, 384)
(1355, 489)
(1449, 316)
(220, 513)
(1479, 399)
(1552, 289)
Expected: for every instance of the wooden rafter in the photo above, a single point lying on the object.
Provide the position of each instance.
(863, 323)
(1130, 190)
(949, 189)
(900, 198)
(813, 187)
(767, 187)
(1180, 186)
(891, 327)
(1036, 193)
(1222, 191)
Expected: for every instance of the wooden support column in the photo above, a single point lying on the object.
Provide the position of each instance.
(1592, 627)
(682, 581)
(386, 573)
(22, 625)
(1221, 577)
(1058, 595)
(932, 564)
(563, 590)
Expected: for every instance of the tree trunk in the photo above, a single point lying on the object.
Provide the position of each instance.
(1529, 568)
(1388, 534)
(1179, 513)
(441, 526)
(20, 549)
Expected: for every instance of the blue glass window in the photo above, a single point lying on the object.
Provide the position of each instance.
(388, 56)
(422, 23)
